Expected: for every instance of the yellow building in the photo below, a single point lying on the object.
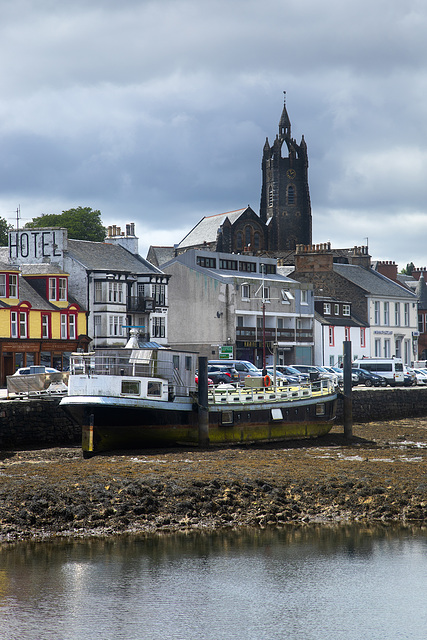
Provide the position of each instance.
(40, 323)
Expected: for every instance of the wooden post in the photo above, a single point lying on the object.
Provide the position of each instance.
(203, 403)
(348, 402)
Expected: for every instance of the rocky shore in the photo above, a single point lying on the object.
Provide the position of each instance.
(378, 476)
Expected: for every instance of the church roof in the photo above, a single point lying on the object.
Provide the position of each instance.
(206, 230)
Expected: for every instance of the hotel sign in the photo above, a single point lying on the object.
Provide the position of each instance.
(37, 245)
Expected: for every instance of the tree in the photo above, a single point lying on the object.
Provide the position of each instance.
(408, 269)
(82, 223)
(4, 228)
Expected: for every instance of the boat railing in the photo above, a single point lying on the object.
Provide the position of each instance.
(279, 393)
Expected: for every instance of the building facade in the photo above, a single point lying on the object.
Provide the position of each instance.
(117, 287)
(221, 301)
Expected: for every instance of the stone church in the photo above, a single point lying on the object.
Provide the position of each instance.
(285, 211)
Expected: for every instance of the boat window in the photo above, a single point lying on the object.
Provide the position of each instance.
(320, 409)
(131, 387)
(154, 388)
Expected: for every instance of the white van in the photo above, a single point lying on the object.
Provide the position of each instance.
(389, 368)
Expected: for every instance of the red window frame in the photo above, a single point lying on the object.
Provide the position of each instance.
(49, 326)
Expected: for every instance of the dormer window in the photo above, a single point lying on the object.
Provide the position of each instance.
(57, 289)
(8, 285)
(2, 285)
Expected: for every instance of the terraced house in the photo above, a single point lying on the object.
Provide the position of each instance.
(40, 323)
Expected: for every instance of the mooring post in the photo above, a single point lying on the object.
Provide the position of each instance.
(348, 402)
(203, 402)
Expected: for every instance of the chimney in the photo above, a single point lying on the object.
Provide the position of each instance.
(360, 257)
(416, 273)
(313, 258)
(388, 269)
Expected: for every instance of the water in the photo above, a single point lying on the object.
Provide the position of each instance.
(298, 583)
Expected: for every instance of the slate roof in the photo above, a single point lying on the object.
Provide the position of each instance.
(206, 230)
(42, 269)
(102, 256)
(372, 282)
(160, 255)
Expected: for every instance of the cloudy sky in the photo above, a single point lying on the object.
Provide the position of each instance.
(156, 112)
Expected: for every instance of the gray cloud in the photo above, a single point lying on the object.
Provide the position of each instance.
(157, 112)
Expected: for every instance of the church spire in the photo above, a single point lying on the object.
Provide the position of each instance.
(285, 123)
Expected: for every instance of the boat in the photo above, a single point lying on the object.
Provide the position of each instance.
(147, 397)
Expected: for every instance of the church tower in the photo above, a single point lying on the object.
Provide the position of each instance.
(285, 197)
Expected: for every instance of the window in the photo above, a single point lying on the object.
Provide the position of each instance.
(249, 267)
(62, 288)
(326, 309)
(270, 196)
(202, 261)
(115, 325)
(257, 241)
(131, 387)
(286, 296)
(72, 326)
(240, 321)
(337, 309)
(280, 323)
(377, 347)
(291, 194)
(52, 289)
(406, 314)
(63, 326)
(386, 313)
(154, 388)
(266, 293)
(3, 285)
(376, 312)
(98, 291)
(97, 325)
(346, 309)
(45, 325)
(158, 327)
(239, 241)
(387, 350)
(397, 314)
(115, 292)
(304, 296)
(362, 337)
(159, 295)
(248, 233)
(347, 334)
(398, 348)
(421, 317)
(229, 265)
(269, 268)
(331, 336)
(23, 317)
(13, 324)
(188, 363)
(246, 291)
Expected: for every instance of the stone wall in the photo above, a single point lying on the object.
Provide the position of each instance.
(41, 423)
(36, 423)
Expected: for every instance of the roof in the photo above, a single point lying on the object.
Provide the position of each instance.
(103, 256)
(160, 255)
(207, 229)
(373, 282)
(43, 268)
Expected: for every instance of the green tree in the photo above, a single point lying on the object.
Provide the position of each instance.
(4, 228)
(82, 223)
(408, 269)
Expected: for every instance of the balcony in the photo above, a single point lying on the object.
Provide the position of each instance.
(272, 335)
(140, 304)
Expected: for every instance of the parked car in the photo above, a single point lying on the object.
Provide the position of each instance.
(243, 367)
(317, 372)
(340, 375)
(223, 373)
(410, 372)
(196, 379)
(25, 371)
(369, 379)
(279, 375)
(421, 375)
(291, 371)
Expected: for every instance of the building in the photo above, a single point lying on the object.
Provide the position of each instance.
(335, 323)
(240, 304)
(40, 322)
(386, 308)
(110, 280)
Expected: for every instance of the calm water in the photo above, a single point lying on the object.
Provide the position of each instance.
(306, 584)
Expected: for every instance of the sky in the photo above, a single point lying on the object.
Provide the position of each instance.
(156, 112)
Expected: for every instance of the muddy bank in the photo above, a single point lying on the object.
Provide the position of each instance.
(380, 476)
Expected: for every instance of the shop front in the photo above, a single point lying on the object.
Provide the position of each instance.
(15, 354)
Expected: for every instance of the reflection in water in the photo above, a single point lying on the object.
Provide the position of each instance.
(299, 582)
